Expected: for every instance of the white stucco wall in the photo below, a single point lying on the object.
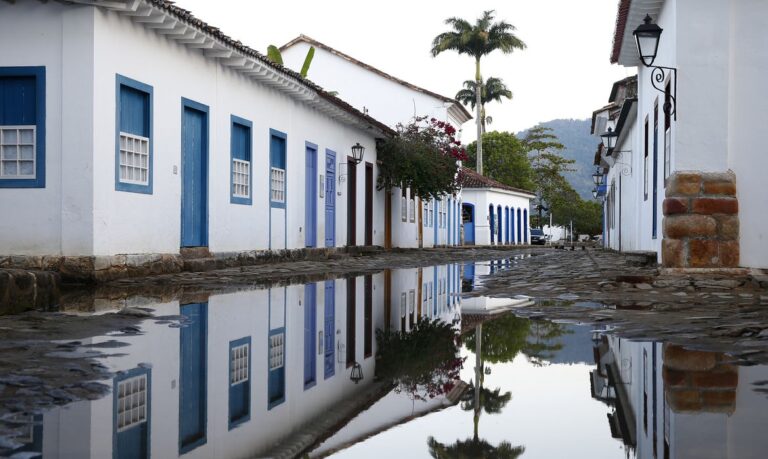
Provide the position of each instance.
(720, 97)
(482, 198)
(385, 100)
(79, 212)
(232, 227)
(55, 219)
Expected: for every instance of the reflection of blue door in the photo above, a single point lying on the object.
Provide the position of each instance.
(194, 169)
(330, 198)
(468, 277)
(192, 377)
(329, 334)
(310, 201)
(310, 326)
(468, 217)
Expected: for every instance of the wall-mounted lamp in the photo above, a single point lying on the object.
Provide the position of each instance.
(609, 139)
(647, 37)
(358, 151)
(597, 177)
(594, 193)
(357, 373)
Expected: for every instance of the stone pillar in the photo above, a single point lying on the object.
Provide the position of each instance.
(699, 381)
(701, 221)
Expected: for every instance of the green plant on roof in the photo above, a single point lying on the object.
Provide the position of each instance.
(274, 55)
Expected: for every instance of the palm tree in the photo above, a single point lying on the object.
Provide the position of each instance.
(492, 91)
(477, 41)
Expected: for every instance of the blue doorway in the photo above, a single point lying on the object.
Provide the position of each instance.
(468, 219)
(194, 171)
(492, 222)
(525, 228)
(310, 202)
(519, 227)
(310, 329)
(193, 359)
(499, 225)
(330, 198)
(329, 329)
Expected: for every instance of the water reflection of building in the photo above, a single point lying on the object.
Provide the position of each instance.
(671, 402)
(245, 373)
(433, 292)
(483, 304)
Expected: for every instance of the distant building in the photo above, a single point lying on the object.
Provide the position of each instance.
(494, 213)
(413, 222)
(687, 159)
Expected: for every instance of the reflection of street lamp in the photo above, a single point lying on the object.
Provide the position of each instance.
(357, 373)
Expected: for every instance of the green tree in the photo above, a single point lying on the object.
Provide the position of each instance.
(506, 159)
(473, 448)
(493, 90)
(502, 339)
(548, 168)
(478, 40)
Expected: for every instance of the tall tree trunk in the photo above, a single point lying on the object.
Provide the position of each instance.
(478, 99)
(482, 120)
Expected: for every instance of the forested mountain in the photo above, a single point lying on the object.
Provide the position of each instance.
(580, 145)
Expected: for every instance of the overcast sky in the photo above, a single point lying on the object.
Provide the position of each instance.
(564, 72)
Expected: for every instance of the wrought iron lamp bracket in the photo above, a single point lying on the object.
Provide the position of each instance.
(625, 168)
(658, 77)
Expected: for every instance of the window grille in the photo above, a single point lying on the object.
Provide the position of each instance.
(17, 152)
(134, 159)
(412, 209)
(277, 184)
(131, 402)
(241, 174)
(276, 351)
(411, 301)
(238, 365)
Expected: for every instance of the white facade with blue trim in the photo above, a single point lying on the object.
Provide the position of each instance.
(133, 128)
(415, 223)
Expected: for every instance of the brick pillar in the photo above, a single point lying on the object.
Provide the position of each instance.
(698, 381)
(701, 221)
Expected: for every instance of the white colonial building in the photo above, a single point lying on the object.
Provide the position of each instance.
(132, 127)
(493, 213)
(413, 223)
(685, 160)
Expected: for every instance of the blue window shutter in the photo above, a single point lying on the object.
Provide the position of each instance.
(18, 100)
(277, 150)
(134, 111)
(241, 142)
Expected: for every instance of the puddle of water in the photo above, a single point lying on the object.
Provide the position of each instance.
(311, 369)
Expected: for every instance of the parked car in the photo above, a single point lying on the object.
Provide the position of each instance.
(538, 237)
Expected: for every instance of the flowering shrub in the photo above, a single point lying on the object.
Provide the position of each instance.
(423, 362)
(424, 156)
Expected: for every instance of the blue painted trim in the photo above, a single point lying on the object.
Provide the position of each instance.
(239, 342)
(312, 193)
(273, 204)
(122, 376)
(39, 74)
(121, 81)
(206, 144)
(248, 124)
(204, 439)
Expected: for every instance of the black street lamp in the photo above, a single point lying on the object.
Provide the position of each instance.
(357, 152)
(357, 373)
(597, 177)
(647, 37)
(609, 139)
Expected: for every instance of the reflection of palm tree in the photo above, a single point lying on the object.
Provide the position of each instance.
(490, 401)
(473, 449)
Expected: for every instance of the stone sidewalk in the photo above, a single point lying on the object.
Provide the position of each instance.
(717, 310)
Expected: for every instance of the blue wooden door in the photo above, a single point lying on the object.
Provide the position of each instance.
(194, 167)
(329, 332)
(330, 198)
(492, 222)
(192, 376)
(526, 225)
(310, 330)
(310, 200)
(468, 217)
(512, 225)
(519, 227)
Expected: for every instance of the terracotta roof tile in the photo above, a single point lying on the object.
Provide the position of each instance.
(471, 179)
(618, 34)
